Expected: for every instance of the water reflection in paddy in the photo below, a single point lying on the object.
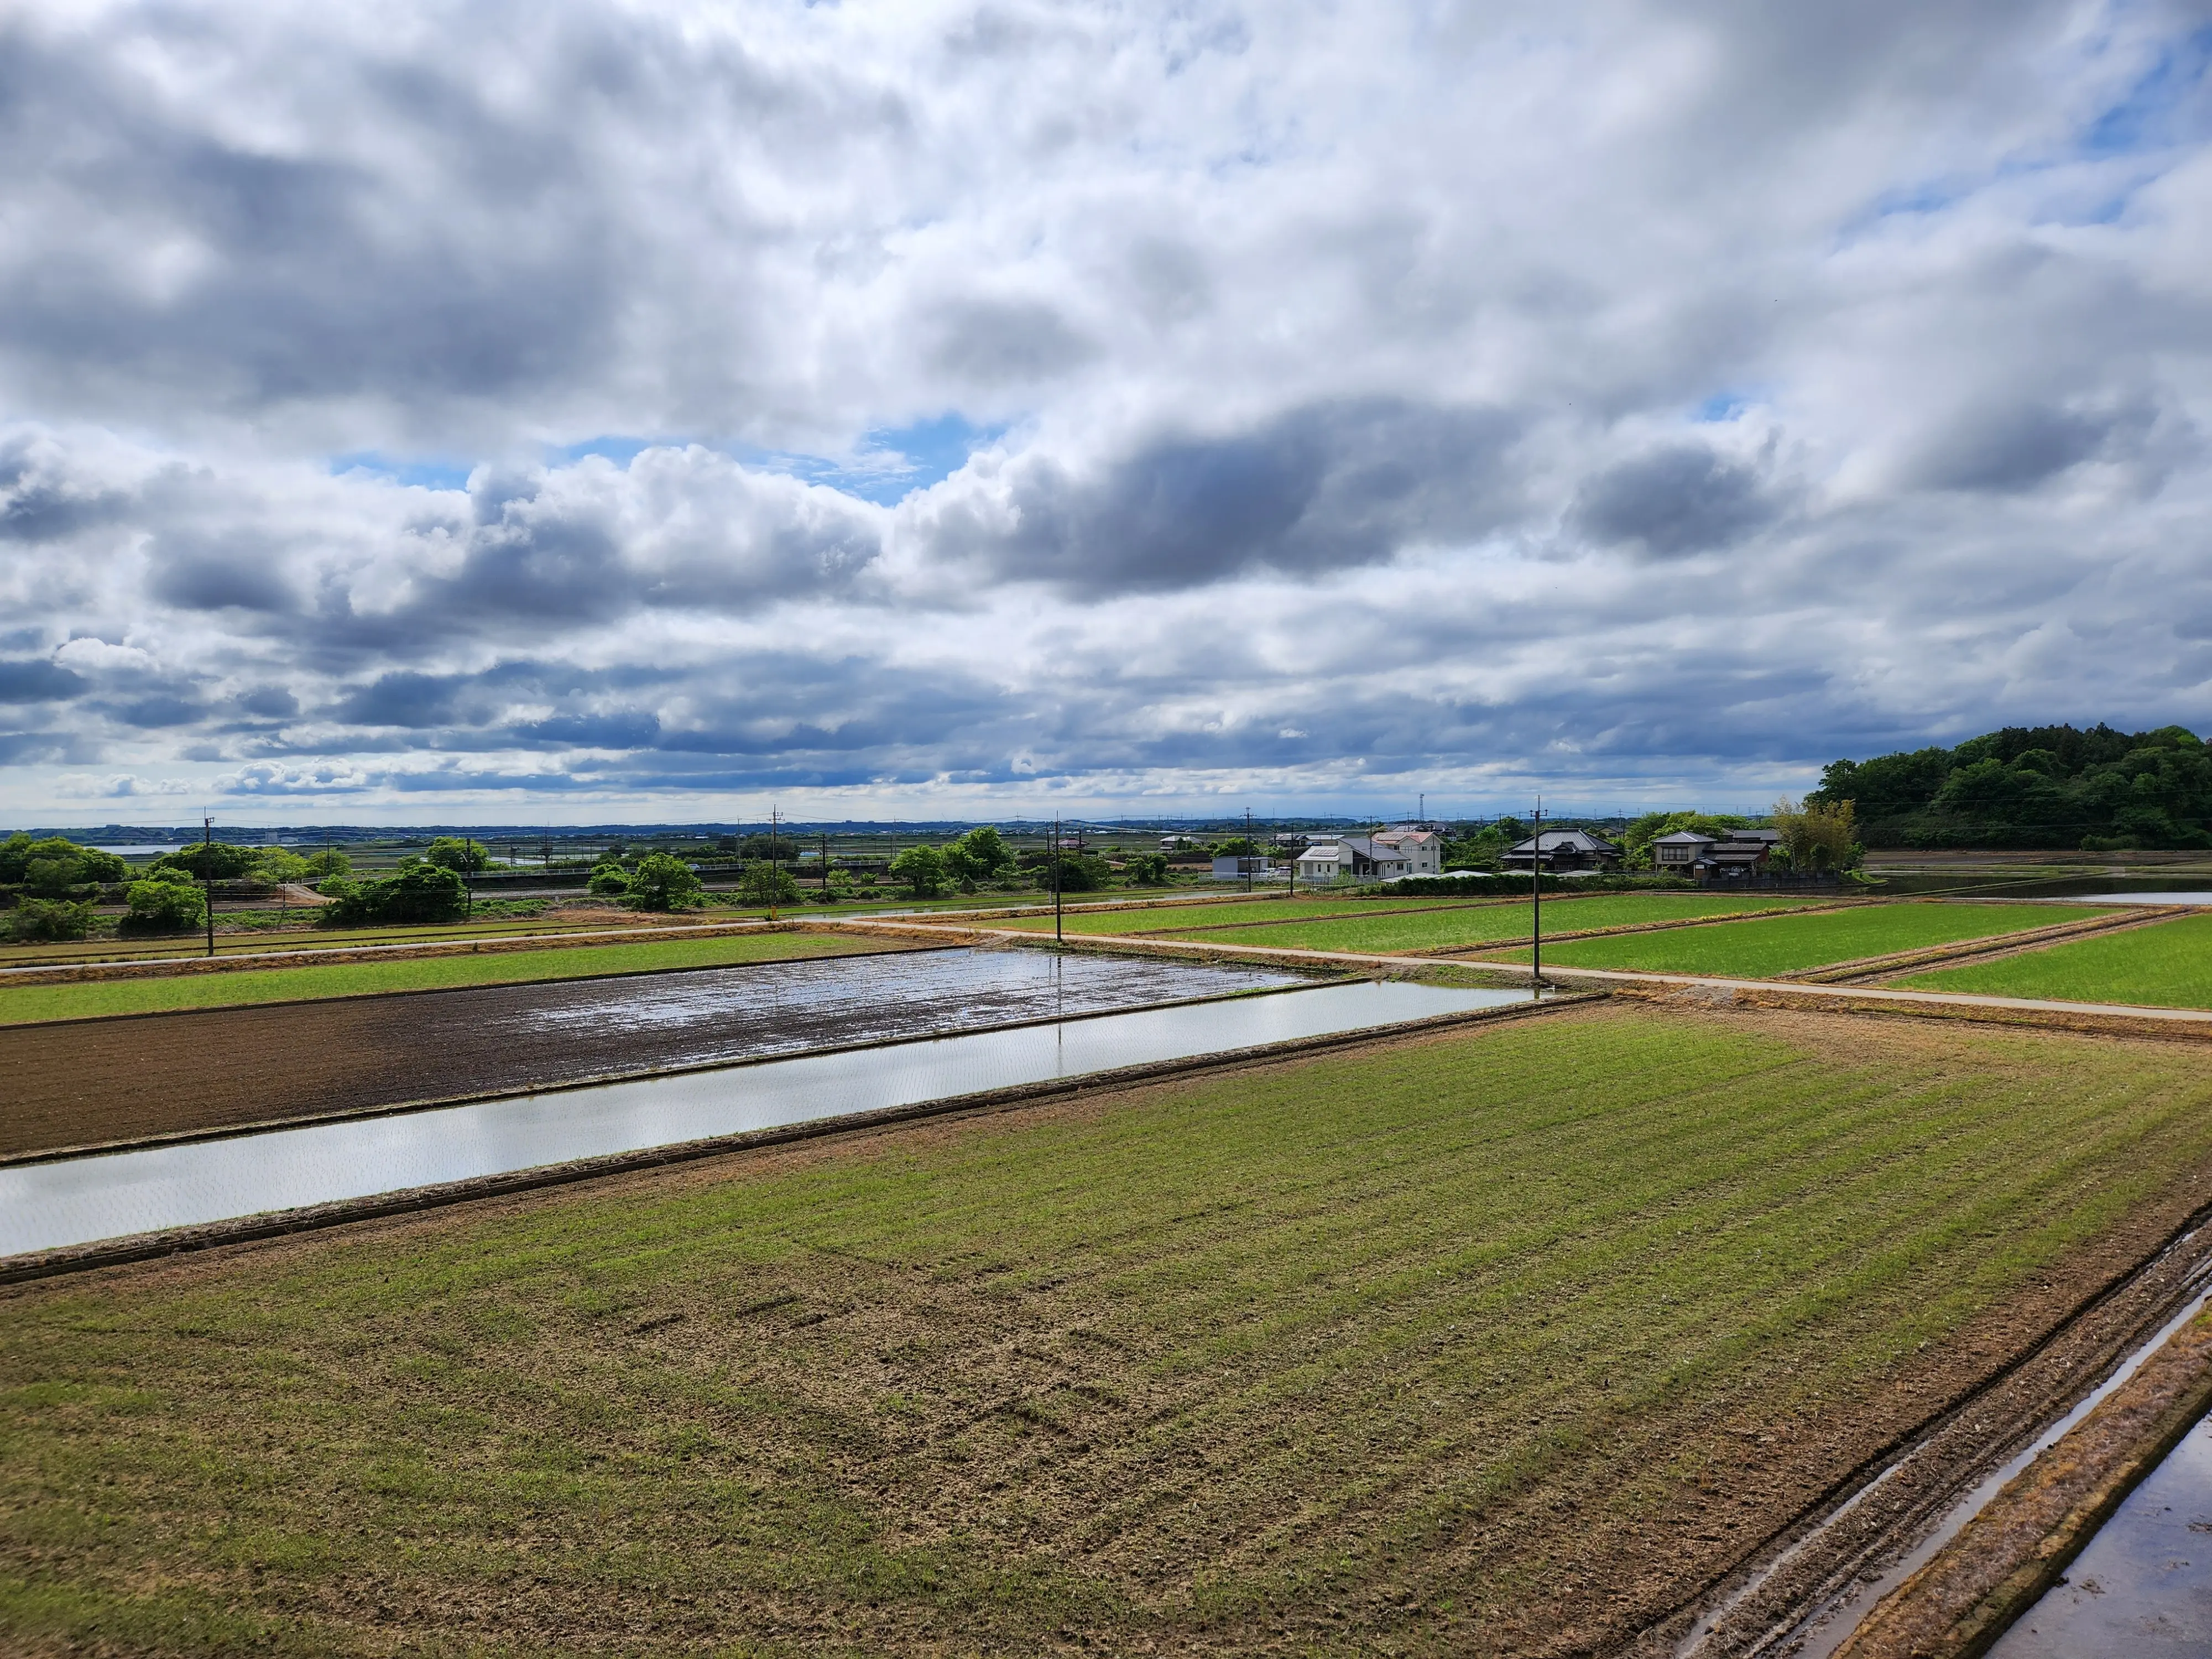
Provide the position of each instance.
(76, 1200)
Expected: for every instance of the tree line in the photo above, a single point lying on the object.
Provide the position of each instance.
(2097, 790)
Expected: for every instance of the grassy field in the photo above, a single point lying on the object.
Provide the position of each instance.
(1166, 918)
(1786, 945)
(1480, 924)
(21, 1004)
(2166, 965)
(1492, 1343)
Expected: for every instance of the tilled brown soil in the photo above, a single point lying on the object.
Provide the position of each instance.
(834, 1329)
(95, 1082)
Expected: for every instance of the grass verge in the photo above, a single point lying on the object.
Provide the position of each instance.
(2167, 964)
(1490, 1343)
(1789, 944)
(23, 1005)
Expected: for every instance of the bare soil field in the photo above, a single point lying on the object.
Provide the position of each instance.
(1497, 1342)
(87, 1082)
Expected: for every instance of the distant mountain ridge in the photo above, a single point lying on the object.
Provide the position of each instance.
(2035, 786)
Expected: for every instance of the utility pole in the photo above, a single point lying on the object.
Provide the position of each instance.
(774, 860)
(1536, 906)
(825, 866)
(207, 874)
(1055, 879)
(1250, 857)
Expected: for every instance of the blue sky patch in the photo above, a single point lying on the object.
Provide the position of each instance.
(425, 474)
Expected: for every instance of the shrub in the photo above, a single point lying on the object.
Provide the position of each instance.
(327, 861)
(1079, 872)
(665, 881)
(608, 880)
(51, 919)
(166, 902)
(764, 883)
(1146, 869)
(421, 892)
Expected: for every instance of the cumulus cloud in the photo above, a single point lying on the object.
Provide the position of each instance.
(1302, 403)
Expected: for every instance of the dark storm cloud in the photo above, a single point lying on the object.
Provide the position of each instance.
(34, 679)
(1319, 489)
(218, 582)
(2016, 447)
(1679, 499)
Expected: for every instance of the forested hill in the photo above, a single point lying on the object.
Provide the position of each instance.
(2044, 786)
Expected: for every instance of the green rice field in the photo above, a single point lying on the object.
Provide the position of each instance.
(2167, 964)
(1482, 924)
(21, 1004)
(1496, 1343)
(1169, 918)
(1787, 945)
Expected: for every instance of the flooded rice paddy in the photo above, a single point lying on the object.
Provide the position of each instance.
(76, 1086)
(77, 1201)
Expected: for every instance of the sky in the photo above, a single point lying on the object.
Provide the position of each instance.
(503, 412)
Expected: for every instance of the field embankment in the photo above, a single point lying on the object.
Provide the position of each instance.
(1775, 945)
(1478, 1343)
(2166, 965)
(1391, 927)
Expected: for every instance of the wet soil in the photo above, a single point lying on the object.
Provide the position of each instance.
(95, 1082)
(1763, 1465)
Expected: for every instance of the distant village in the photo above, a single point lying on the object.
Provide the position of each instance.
(1410, 851)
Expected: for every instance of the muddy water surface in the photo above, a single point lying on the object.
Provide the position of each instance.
(2145, 1583)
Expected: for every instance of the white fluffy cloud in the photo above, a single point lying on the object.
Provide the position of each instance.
(647, 410)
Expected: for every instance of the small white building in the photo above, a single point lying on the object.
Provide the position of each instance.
(1422, 849)
(1353, 858)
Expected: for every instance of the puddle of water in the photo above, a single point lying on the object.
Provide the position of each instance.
(2145, 1583)
(78, 1201)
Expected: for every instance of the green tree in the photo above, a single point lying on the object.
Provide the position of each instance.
(1817, 835)
(980, 855)
(14, 854)
(765, 884)
(923, 870)
(1145, 869)
(282, 864)
(665, 881)
(211, 861)
(608, 880)
(55, 865)
(167, 901)
(457, 853)
(326, 861)
(777, 849)
(51, 919)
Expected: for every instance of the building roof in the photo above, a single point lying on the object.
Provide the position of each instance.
(1683, 838)
(1566, 841)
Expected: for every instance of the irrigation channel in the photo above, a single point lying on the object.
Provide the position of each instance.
(2143, 1585)
(50, 1204)
(2155, 1594)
